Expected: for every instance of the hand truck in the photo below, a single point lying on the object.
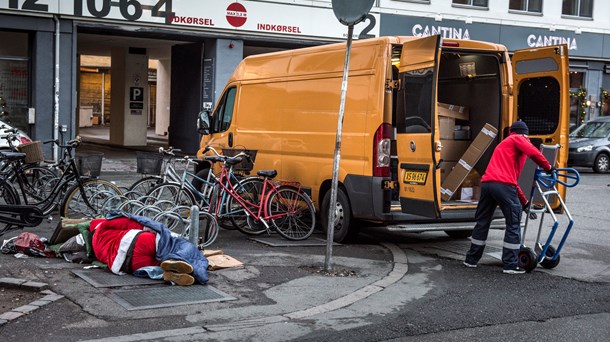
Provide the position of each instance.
(544, 185)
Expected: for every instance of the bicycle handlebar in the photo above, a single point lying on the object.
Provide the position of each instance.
(549, 180)
(224, 158)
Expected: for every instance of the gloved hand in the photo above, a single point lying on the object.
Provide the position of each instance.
(526, 209)
(551, 170)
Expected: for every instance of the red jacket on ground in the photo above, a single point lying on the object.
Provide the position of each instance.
(113, 238)
(508, 159)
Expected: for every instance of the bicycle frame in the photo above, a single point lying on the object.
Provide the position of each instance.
(70, 174)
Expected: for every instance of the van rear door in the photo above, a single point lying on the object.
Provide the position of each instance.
(417, 132)
(542, 101)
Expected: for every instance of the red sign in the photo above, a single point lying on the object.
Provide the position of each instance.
(236, 14)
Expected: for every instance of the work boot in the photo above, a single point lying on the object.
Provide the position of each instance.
(178, 266)
(181, 279)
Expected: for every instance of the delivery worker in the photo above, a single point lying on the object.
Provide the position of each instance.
(499, 188)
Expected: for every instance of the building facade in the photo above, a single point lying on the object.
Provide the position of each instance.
(132, 64)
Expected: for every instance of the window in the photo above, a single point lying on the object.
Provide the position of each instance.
(224, 112)
(538, 104)
(14, 78)
(414, 100)
(578, 8)
(475, 3)
(526, 5)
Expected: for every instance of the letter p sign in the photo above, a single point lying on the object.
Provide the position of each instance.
(136, 94)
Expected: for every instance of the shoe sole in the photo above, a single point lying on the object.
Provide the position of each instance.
(181, 279)
(469, 265)
(178, 266)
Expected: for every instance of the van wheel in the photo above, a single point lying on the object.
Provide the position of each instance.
(459, 234)
(343, 217)
(601, 163)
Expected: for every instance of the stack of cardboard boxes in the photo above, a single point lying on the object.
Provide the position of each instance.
(459, 179)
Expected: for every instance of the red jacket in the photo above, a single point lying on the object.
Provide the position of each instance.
(508, 159)
(112, 239)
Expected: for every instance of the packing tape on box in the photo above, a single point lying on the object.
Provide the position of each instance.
(465, 165)
(446, 192)
(488, 132)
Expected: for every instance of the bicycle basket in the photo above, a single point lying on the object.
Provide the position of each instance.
(149, 163)
(244, 165)
(33, 151)
(89, 163)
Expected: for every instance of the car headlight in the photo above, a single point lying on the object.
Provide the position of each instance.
(585, 148)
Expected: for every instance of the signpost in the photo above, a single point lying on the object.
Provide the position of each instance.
(349, 13)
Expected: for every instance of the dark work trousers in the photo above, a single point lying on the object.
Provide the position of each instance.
(505, 196)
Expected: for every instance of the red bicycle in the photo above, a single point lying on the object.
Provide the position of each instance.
(258, 205)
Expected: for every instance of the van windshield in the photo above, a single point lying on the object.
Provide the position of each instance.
(592, 130)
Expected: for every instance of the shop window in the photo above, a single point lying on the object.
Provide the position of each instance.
(578, 8)
(576, 79)
(14, 78)
(534, 6)
(473, 3)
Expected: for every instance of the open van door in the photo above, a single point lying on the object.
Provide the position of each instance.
(418, 145)
(542, 101)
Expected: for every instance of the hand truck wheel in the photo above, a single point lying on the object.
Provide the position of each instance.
(548, 262)
(527, 259)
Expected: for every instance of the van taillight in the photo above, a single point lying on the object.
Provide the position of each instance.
(451, 44)
(381, 151)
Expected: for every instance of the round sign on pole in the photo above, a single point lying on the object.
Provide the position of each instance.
(351, 12)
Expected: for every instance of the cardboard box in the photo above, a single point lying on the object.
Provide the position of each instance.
(446, 127)
(446, 168)
(453, 149)
(472, 155)
(453, 111)
(462, 134)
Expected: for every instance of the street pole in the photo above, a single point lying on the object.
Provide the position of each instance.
(332, 212)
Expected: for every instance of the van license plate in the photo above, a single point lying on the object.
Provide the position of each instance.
(415, 177)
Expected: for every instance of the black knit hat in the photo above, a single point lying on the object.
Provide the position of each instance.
(519, 127)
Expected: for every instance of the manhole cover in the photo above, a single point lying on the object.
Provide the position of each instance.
(100, 278)
(165, 296)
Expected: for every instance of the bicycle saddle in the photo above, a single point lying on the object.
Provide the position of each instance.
(267, 173)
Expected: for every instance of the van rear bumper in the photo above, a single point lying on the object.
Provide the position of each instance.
(371, 202)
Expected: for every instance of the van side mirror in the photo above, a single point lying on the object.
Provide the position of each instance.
(203, 122)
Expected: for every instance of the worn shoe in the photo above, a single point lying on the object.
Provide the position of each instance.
(181, 279)
(177, 266)
(469, 265)
(514, 271)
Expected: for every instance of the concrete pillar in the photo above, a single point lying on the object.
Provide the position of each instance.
(129, 96)
(164, 85)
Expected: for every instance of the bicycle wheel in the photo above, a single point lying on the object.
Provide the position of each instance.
(250, 190)
(7, 197)
(38, 182)
(208, 230)
(144, 185)
(96, 191)
(292, 213)
(174, 193)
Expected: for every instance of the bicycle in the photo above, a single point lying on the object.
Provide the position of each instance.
(282, 207)
(83, 196)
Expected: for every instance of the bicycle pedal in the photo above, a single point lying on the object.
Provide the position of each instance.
(50, 219)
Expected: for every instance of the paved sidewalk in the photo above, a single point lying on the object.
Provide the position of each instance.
(279, 283)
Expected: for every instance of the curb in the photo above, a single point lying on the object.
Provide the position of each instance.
(33, 306)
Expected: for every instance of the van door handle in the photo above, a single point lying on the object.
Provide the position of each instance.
(230, 139)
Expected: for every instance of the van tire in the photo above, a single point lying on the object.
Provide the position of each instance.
(459, 234)
(344, 230)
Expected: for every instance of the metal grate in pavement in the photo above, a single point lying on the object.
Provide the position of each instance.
(100, 278)
(166, 296)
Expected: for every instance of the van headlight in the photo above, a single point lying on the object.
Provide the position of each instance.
(585, 148)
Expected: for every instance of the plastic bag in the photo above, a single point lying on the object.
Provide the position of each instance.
(30, 244)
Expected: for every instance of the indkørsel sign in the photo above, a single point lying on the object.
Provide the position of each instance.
(221, 15)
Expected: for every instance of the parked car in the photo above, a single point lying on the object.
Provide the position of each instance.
(20, 138)
(590, 145)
